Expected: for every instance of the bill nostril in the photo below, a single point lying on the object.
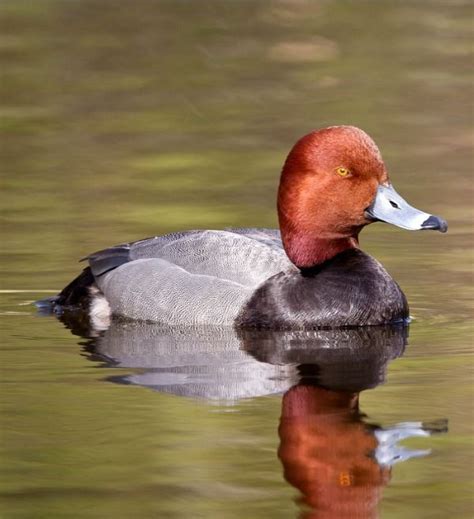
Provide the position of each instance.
(394, 204)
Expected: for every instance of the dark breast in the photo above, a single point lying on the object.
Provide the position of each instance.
(352, 289)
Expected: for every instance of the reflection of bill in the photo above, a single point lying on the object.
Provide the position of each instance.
(338, 462)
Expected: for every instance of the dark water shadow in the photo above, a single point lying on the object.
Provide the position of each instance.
(337, 459)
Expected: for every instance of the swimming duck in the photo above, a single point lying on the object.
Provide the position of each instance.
(309, 274)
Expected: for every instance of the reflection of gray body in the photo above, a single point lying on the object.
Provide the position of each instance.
(202, 362)
(219, 363)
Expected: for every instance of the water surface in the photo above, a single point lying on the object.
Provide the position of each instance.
(129, 119)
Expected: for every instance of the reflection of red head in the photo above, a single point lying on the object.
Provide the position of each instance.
(325, 450)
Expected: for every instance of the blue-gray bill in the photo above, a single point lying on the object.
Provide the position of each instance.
(388, 206)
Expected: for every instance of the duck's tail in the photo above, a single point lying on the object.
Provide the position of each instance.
(76, 295)
(46, 306)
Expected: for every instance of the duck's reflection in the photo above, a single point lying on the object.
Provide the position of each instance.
(336, 459)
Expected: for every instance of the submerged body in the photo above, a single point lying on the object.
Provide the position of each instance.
(309, 274)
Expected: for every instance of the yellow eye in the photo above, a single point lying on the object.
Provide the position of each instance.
(344, 172)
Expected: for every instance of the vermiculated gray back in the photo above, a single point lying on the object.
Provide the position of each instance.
(195, 277)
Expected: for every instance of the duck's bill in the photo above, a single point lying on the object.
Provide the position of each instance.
(388, 206)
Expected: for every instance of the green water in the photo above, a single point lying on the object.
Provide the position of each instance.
(122, 120)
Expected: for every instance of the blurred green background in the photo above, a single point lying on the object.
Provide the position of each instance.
(126, 119)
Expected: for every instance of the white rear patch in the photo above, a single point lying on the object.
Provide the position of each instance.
(99, 310)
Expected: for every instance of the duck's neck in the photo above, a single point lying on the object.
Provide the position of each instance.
(307, 251)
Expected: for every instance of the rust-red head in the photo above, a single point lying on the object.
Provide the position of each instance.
(333, 183)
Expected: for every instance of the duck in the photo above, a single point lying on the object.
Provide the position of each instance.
(309, 274)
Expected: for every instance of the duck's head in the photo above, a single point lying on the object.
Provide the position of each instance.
(333, 183)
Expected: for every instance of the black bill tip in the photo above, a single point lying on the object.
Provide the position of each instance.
(436, 223)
